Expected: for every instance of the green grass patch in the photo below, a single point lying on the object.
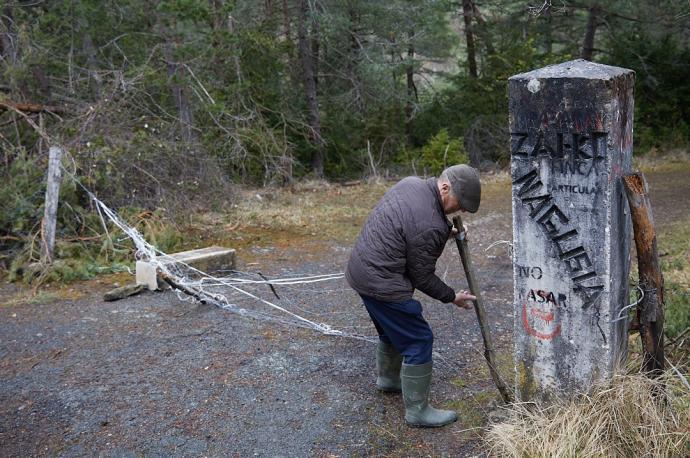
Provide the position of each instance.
(471, 408)
(674, 249)
(32, 297)
(92, 251)
(666, 161)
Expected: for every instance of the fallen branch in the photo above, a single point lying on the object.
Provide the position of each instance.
(30, 107)
(678, 337)
(28, 119)
(198, 295)
(122, 292)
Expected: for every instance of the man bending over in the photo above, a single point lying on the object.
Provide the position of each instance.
(395, 254)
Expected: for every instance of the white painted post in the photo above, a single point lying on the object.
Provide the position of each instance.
(51, 203)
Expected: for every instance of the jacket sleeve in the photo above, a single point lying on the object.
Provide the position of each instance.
(422, 252)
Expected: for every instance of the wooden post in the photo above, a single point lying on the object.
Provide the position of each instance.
(489, 352)
(651, 308)
(51, 202)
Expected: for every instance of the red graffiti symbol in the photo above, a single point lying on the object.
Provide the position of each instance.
(547, 317)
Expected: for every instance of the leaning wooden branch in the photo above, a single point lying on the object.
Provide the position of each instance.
(36, 127)
(489, 352)
(650, 311)
(30, 107)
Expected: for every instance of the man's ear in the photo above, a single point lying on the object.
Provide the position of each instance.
(445, 188)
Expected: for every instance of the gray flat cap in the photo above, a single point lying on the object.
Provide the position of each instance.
(464, 180)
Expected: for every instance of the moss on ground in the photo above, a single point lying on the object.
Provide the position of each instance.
(472, 408)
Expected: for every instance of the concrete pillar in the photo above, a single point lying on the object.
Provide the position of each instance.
(571, 141)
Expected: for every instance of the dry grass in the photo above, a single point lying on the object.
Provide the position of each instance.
(320, 208)
(662, 161)
(622, 419)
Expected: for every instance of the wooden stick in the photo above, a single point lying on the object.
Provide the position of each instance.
(489, 353)
(198, 295)
(678, 337)
(650, 311)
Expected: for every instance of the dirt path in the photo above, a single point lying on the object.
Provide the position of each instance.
(156, 376)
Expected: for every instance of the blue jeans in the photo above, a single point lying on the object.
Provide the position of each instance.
(402, 325)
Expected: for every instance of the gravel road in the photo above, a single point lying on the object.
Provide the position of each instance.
(153, 375)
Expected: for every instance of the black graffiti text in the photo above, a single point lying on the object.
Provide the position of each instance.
(571, 153)
(527, 272)
(564, 237)
(541, 296)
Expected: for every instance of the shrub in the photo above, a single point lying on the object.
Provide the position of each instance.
(440, 152)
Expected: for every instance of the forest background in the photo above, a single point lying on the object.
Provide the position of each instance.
(170, 106)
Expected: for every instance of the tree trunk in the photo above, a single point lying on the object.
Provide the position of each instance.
(548, 31)
(286, 21)
(217, 18)
(354, 61)
(235, 49)
(43, 83)
(95, 79)
(217, 23)
(179, 93)
(315, 46)
(651, 307)
(590, 31)
(268, 9)
(314, 117)
(411, 88)
(8, 37)
(175, 79)
(467, 14)
(482, 29)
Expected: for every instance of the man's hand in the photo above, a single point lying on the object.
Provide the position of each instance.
(454, 232)
(462, 299)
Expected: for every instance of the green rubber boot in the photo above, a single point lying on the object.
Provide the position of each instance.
(416, 380)
(388, 362)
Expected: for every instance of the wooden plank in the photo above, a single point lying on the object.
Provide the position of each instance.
(489, 353)
(650, 310)
(51, 202)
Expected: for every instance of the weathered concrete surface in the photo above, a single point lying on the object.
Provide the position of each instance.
(207, 259)
(571, 141)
